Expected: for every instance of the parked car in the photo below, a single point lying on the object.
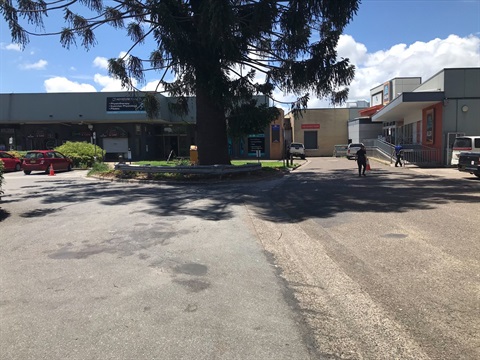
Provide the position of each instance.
(41, 160)
(10, 162)
(469, 162)
(296, 149)
(464, 144)
(352, 150)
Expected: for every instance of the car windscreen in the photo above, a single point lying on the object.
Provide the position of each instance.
(33, 155)
(462, 143)
(355, 145)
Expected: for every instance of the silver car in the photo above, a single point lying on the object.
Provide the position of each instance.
(352, 150)
(296, 149)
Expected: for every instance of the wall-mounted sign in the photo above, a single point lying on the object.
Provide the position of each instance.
(310, 126)
(275, 133)
(430, 128)
(377, 99)
(386, 93)
(81, 134)
(125, 104)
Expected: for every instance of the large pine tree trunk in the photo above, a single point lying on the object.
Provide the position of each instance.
(211, 127)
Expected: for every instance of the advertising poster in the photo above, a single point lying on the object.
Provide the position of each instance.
(430, 128)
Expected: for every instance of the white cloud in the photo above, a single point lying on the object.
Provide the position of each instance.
(423, 59)
(153, 86)
(61, 84)
(420, 59)
(349, 48)
(110, 84)
(39, 65)
(14, 47)
(100, 62)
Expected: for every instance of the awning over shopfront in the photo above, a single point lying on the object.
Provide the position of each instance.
(407, 103)
(370, 111)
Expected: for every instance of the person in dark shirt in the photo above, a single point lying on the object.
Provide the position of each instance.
(362, 161)
(399, 154)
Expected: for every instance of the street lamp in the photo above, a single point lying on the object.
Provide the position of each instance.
(93, 140)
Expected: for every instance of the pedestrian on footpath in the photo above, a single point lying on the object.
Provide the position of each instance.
(362, 160)
(399, 154)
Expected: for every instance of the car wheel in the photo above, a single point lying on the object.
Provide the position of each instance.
(69, 167)
(17, 167)
(303, 157)
(27, 172)
(477, 174)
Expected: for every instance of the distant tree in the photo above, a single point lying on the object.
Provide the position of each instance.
(215, 48)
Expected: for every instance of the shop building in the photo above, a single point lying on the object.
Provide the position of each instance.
(118, 123)
(321, 129)
(431, 115)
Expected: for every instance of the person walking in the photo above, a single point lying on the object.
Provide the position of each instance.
(362, 161)
(399, 155)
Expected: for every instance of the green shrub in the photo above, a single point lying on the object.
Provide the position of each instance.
(81, 153)
(17, 154)
(98, 168)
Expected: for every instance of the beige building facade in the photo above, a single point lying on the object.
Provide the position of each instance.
(321, 129)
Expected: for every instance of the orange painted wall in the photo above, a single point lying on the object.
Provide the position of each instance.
(437, 131)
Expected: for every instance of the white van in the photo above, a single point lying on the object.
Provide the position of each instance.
(464, 144)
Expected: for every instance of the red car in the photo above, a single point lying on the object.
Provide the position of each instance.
(10, 162)
(40, 160)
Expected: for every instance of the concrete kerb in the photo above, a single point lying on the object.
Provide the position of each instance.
(212, 180)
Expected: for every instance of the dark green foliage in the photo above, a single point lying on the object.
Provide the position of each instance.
(249, 118)
(81, 153)
(216, 49)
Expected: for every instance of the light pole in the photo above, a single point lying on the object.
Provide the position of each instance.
(93, 140)
(95, 144)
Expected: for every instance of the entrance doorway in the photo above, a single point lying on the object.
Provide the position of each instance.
(171, 146)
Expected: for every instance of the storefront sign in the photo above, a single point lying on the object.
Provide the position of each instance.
(125, 105)
(114, 132)
(310, 126)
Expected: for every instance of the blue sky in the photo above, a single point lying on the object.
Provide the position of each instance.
(387, 39)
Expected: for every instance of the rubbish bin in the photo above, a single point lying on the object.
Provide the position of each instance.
(193, 155)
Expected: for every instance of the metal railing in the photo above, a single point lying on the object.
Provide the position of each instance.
(340, 150)
(413, 154)
(422, 157)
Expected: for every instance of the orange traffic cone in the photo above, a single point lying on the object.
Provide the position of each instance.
(368, 168)
(52, 172)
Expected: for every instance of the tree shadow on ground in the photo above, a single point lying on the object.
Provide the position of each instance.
(306, 194)
(3, 214)
(311, 194)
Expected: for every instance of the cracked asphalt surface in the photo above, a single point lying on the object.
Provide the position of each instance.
(319, 264)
